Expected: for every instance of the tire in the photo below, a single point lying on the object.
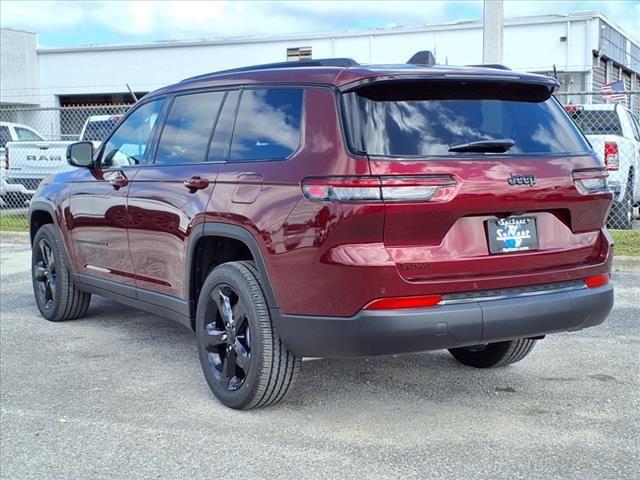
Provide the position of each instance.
(493, 355)
(243, 359)
(621, 216)
(56, 295)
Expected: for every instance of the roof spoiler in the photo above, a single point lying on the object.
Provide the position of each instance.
(423, 57)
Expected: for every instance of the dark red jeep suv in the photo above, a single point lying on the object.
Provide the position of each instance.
(332, 209)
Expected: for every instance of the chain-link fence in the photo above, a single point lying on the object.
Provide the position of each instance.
(40, 137)
(33, 143)
(614, 132)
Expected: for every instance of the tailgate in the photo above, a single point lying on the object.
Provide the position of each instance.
(37, 159)
(475, 153)
(449, 237)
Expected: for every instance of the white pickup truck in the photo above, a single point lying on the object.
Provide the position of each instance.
(97, 127)
(14, 191)
(28, 159)
(614, 133)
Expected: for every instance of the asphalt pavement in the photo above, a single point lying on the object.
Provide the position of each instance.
(120, 395)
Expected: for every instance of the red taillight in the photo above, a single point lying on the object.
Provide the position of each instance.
(611, 158)
(404, 302)
(597, 281)
(590, 180)
(377, 189)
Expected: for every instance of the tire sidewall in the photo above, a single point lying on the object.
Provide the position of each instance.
(206, 310)
(48, 233)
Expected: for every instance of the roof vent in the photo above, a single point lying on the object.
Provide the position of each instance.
(424, 57)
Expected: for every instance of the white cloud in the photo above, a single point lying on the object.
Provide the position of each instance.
(169, 20)
(195, 19)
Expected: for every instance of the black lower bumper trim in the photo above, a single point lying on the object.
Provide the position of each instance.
(400, 331)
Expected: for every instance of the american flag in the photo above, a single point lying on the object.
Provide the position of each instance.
(613, 91)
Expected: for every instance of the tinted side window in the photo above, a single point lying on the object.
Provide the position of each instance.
(186, 133)
(268, 124)
(5, 136)
(128, 145)
(219, 150)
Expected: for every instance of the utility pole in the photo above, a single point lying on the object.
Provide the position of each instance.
(492, 31)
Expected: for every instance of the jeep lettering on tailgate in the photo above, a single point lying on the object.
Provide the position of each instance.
(522, 180)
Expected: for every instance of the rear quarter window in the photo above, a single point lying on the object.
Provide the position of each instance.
(267, 125)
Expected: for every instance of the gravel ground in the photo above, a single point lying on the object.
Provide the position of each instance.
(120, 394)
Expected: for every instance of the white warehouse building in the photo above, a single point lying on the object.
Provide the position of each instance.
(584, 50)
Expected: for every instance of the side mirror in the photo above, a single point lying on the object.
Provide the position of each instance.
(80, 154)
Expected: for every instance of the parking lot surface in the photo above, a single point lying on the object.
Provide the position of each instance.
(120, 394)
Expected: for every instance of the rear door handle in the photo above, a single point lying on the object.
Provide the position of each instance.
(196, 183)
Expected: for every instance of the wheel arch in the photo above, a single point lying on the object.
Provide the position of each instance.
(241, 237)
(40, 213)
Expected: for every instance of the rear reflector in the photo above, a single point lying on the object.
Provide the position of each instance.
(597, 281)
(404, 302)
(377, 189)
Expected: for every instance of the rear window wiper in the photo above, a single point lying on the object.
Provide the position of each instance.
(492, 146)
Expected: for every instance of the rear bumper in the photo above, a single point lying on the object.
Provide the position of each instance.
(13, 188)
(26, 185)
(400, 331)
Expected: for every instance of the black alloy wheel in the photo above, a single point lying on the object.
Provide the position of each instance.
(244, 361)
(44, 274)
(227, 339)
(57, 297)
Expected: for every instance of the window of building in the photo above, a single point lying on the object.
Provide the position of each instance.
(268, 125)
(186, 133)
(298, 53)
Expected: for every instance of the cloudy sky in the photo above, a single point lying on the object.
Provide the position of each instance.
(65, 23)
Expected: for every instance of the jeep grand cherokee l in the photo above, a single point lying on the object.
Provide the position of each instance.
(331, 209)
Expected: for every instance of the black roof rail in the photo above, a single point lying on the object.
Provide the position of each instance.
(423, 57)
(321, 62)
(497, 66)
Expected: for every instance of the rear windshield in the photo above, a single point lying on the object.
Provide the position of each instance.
(597, 122)
(428, 118)
(25, 135)
(97, 130)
